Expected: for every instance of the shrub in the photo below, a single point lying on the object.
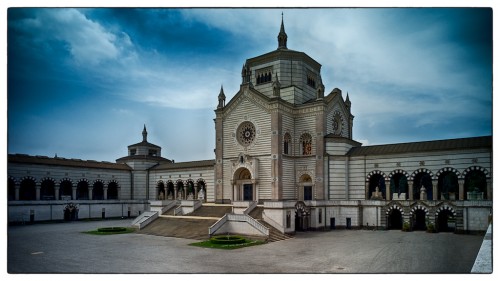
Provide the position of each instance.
(406, 226)
(227, 240)
(112, 229)
(431, 228)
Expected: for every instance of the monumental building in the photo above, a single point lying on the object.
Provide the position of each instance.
(283, 145)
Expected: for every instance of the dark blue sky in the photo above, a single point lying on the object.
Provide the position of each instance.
(82, 82)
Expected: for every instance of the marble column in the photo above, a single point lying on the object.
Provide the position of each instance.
(16, 195)
(461, 191)
(435, 190)
(105, 189)
(90, 192)
(38, 187)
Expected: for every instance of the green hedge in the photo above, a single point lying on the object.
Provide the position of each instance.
(112, 229)
(227, 240)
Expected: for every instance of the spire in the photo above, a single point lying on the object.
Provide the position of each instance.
(282, 37)
(347, 101)
(144, 134)
(222, 98)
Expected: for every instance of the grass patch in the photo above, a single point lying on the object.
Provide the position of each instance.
(215, 243)
(111, 230)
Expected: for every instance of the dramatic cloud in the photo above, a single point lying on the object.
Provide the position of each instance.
(82, 82)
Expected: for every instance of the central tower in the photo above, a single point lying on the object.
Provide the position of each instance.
(270, 137)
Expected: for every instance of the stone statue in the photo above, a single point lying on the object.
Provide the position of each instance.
(161, 196)
(201, 194)
(423, 193)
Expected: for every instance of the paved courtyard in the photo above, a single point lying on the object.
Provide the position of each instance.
(62, 248)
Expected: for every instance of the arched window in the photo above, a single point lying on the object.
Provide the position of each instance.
(27, 190)
(161, 191)
(287, 139)
(422, 180)
(112, 191)
(98, 191)
(475, 185)
(170, 191)
(376, 188)
(65, 190)
(448, 186)
(12, 189)
(47, 190)
(82, 191)
(306, 144)
(399, 185)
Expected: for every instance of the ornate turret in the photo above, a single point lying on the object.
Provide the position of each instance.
(282, 37)
(348, 102)
(222, 98)
(276, 86)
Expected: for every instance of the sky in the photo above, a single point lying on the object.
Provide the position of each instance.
(82, 83)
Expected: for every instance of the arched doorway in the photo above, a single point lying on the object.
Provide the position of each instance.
(395, 219)
(306, 190)
(419, 220)
(302, 216)
(448, 186)
(244, 186)
(445, 221)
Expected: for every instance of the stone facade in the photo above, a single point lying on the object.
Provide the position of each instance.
(281, 142)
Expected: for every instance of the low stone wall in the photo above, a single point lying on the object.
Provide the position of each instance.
(25, 211)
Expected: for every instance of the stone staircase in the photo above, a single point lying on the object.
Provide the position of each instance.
(212, 211)
(179, 227)
(274, 234)
(195, 225)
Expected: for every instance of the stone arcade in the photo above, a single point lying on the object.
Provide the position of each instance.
(284, 145)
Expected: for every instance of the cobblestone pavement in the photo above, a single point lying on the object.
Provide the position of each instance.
(63, 248)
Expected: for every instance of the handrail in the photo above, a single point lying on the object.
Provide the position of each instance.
(218, 224)
(148, 220)
(250, 208)
(178, 211)
(238, 217)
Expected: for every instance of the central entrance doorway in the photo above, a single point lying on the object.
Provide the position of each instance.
(247, 192)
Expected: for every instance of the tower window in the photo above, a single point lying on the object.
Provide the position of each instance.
(287, 144)
(311, 81)
(133, 152)
(263, 75)
(306, 144)
(152, 152)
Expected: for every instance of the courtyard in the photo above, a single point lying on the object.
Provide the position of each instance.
(63, 248)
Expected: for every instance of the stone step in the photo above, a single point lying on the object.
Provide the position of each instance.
(256, 213)
(179, 227)
(274, 234)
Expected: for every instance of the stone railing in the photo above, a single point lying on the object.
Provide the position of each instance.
(187, 207)
(218, 224)
(228, 218)
(250, 208)
(144, 219)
